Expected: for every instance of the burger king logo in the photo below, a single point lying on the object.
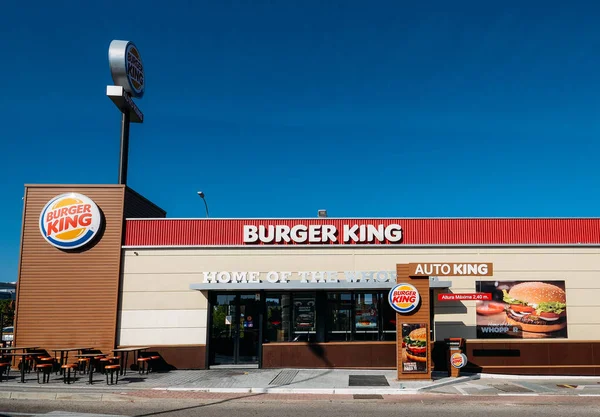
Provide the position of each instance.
(404, 298)
(126, 67)
(70, 221)
(135, 70)
(458, 360)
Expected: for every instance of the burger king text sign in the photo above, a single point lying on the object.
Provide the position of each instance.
(70, 221)
(404, 298)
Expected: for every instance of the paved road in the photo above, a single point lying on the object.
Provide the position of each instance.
(414, 406)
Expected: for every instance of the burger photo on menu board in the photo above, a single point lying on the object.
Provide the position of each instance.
(537, 307)
(416, 345)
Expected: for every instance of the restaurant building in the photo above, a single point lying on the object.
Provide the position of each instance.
(105, 267)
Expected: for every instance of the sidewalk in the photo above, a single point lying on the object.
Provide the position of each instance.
(338, 383)
(309, 381)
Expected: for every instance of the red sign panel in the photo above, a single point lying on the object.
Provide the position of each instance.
(477, 296)
(327, 231)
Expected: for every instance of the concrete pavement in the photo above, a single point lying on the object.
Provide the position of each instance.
(486, 385)
(290, 382)
(236, 381)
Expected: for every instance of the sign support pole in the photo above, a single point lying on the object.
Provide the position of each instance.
(124, 154)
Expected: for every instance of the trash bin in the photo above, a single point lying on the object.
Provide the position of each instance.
(455, 356)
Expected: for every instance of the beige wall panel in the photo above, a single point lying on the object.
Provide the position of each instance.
(194, 260)
(583, 297)
(583, 331)
(223, 262)
(169, 337)
(583, 315)
(158, 279)
(159, 282)
(156, 319)
(188, 300)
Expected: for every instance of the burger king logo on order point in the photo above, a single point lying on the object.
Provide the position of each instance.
(70, 221)
(404, 298)
(458, 360)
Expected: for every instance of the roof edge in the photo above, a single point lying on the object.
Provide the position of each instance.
(362, 218)
(149, 202)
(371, 245)
(75, 185)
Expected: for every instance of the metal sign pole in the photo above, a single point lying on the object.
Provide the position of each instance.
(124, 154)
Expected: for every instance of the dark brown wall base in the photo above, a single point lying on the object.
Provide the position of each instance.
(517, 358)
(330, 355)
(534, 358)
(177, 357)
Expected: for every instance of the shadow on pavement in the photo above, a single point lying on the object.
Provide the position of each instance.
(132, 380)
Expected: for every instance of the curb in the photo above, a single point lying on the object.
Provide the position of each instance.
(61, 396)
(50, 396)
(327, 391)
(525, 377)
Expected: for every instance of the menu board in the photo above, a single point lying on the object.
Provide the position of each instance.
(366, 316)
(415, 342)
(304, 314)
(522, 309)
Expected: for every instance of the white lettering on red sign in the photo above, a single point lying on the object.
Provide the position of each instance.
(322, 233)
(482, 296)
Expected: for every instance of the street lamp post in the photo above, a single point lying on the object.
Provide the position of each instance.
(201, 195)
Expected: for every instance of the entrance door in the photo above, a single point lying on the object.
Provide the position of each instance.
(234, 333)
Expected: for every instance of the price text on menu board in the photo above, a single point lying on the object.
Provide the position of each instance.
(479, 296)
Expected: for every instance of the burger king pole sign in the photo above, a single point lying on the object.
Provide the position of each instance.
(126, 67)
(70, 221)
(127, 72)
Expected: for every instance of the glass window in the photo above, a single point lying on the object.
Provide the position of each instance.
(339, 316)
(388, 319)
(278, 317)
(304, 320)
(366, 323)
(349, 316)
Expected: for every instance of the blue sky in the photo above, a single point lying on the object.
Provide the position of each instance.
(281, 108)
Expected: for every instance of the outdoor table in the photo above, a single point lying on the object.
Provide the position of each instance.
(124, 353)
(22, 355)
(19, 348)
(64, 354)
(91, 356)
(24, 349)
